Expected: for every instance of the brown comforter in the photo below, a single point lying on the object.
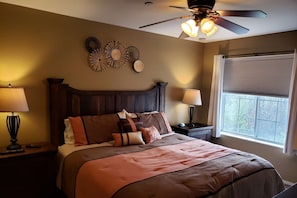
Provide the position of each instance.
(231, 174)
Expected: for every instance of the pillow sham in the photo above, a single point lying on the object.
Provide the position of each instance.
(130, 124)
(156, 119)
(150, 134)
(125, 139)
(79, 133)
(94, 129)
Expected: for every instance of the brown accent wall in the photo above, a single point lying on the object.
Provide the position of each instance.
(35, 45)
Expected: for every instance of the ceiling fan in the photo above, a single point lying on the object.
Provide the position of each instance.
(204, 18)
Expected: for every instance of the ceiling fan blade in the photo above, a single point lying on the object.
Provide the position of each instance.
(243, 13)
(181, 17)
(233, 27)
(183, 35)
(183, 8)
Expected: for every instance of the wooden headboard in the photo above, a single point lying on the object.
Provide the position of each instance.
(66, 101)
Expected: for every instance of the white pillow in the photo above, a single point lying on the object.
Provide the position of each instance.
(123, 114)
(68, 133)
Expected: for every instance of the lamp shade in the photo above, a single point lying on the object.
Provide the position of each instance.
(192, 97)
(208, 27)
(190, 28)
(13, 100)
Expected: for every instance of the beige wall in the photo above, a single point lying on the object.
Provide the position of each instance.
(35, 45)
(286, 165)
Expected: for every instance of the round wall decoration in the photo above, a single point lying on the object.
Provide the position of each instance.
(115, 54)
(138, 66)
(92, 43)
(97, 60)
(133, 54)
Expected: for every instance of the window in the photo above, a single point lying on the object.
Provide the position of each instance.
(259, 117)
(255, 94)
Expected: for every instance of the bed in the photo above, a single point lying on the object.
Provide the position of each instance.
(121, 145)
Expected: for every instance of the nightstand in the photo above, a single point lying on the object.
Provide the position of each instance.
(200, 131)
(30, 173)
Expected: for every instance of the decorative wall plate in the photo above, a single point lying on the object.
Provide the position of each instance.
(115, 54)
(92, 43)
(97, 60)
(138, 66)
(133, 54)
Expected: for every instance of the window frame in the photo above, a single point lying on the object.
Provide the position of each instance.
(253, 93)
(255, 132)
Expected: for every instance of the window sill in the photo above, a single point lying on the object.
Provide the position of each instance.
(251, 140)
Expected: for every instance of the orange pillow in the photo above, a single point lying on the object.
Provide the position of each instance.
(150, 134)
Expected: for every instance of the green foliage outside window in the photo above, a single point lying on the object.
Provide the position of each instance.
(260, 117)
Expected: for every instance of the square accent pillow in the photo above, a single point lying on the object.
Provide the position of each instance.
(125, 139)
(150, 134)
(156, 119)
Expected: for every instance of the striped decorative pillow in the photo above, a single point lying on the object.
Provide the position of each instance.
(125, 139)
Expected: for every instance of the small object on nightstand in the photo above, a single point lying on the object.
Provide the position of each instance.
(181, 124)
(32, 146)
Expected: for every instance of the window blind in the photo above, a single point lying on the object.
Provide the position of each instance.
(265, 75)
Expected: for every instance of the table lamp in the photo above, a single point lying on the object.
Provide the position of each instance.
(13, 100)
(192, 97)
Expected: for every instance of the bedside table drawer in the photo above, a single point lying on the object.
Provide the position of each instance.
(203, 134)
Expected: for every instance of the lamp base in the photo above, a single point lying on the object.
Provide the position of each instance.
(13, 124)
(13, 147)
(191, 111)
(191, 125)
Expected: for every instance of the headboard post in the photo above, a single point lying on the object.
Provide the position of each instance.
(162, 87)
(57, 104)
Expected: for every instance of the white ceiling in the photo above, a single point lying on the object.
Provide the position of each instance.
(281, 14)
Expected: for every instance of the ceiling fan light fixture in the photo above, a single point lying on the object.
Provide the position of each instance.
(213, 31)
(208, 27)
(190, 28)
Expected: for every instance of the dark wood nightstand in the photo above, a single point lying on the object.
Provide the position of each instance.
(200, 131)
(30, 173)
